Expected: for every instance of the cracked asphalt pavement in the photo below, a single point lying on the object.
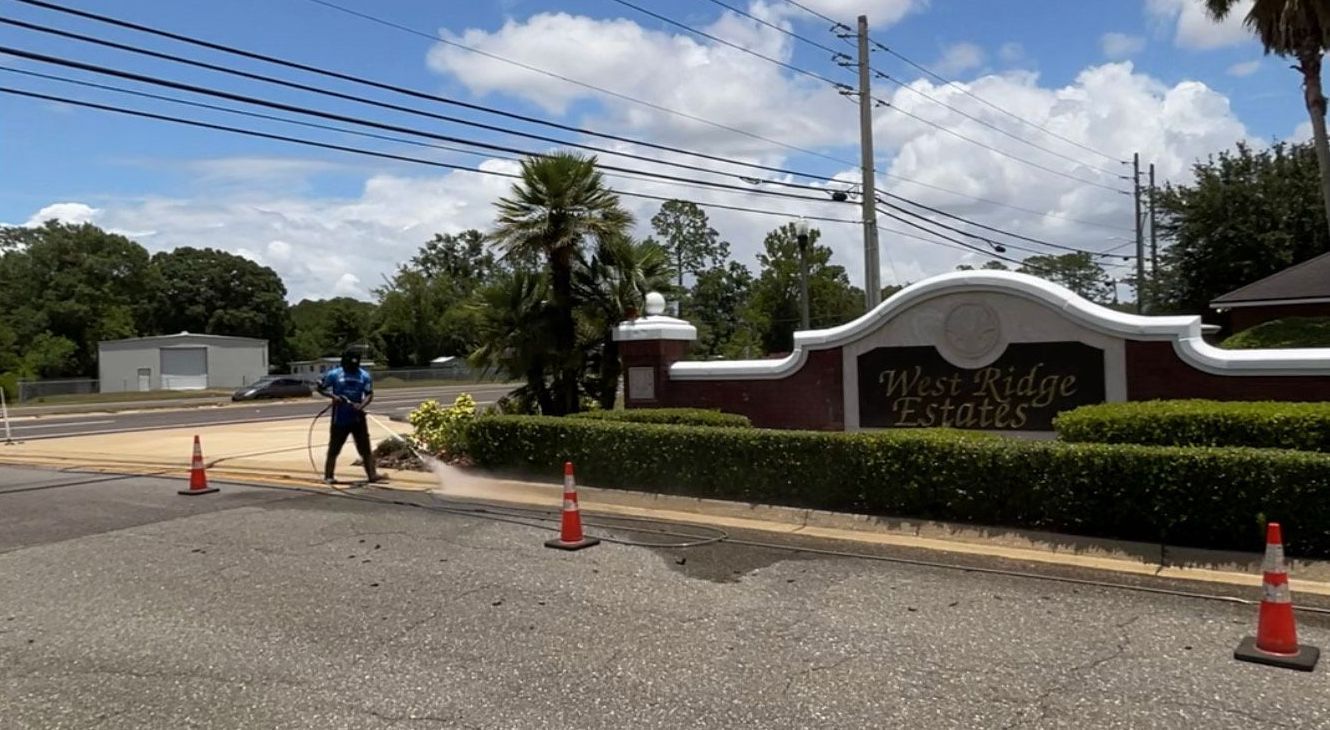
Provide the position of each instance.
(124, 605)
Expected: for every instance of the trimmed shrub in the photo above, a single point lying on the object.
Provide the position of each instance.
(1203, 497)
(1302, 426)
(674, 416)
(1283, 333)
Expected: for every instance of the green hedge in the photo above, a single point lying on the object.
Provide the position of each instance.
(671, 416)
(1302, 426)
(1283, 333)
(1203, 497)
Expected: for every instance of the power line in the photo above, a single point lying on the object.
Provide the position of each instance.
(614, 172)
(837, 55)
(370, 153)
(958, 242)
(378, 125)
(359, 80)
(996, 128)
(984, 101)
(835, 24)
(433, 97)
(446, 138)
(846, 89)
(388, 105)
(995, 150)
(592, 87)
(688, 182)
(773, 26)
(995, 229)
(450, 166)
(732, 44)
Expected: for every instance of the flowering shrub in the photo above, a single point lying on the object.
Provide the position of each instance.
(443, 431)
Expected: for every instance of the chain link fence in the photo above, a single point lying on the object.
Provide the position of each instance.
(29, 390)
(425, 376)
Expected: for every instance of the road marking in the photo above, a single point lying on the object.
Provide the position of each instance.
(62, 425)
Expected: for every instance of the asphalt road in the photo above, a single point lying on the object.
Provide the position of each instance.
(123, 605)
(387, 403)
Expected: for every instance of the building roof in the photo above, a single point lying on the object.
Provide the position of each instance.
(185, 335)
(1304, 283)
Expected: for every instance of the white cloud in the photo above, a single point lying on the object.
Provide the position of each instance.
(958, 58)
(881, 13)
(1244, 69)
(65, 213)
(1121, 45)
(1192, 26)
(1301, 133)
(1011, 52)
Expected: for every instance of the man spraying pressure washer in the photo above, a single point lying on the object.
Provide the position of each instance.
(351, 390)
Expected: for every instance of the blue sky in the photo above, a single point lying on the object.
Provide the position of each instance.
(1187, 88)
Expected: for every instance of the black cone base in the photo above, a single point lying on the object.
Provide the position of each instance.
(191, 492)
(1304, 660)
(585, 542)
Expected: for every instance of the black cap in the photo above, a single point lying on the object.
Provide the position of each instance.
(350, 360)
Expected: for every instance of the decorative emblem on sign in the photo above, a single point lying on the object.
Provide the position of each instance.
(971, 329)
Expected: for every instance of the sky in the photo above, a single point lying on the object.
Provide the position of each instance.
(1046, 102)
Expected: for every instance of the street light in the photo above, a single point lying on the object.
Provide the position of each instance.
(801, 229)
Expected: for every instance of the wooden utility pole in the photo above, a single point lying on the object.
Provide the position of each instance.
(872, 269)
(1140, 235)
(1154, 240)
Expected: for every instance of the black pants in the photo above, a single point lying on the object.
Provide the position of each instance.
(359, 432)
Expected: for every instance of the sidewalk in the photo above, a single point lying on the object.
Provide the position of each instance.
(280, 453)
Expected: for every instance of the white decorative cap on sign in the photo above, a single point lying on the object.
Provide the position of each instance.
(655, 326)
(655, 304)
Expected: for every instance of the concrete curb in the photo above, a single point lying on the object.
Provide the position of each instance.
(1141, 559)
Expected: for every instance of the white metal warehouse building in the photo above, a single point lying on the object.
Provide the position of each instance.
(180, 362)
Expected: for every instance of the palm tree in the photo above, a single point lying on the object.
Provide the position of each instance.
(612, 283)
(1299, 29)
(514, 329)
(560, 202)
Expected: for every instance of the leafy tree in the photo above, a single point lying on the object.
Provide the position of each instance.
(422, 313)
(1299, 29)
(1248, 214)
(515, 321)
(463, 258)
(773, 308)
(75, 284)
(716, 304)
(1078, 272)
(688, 238)
(324, 327)
(409, 320)
(609, 284)
(219, 293)
(989, 265)
(560, 202)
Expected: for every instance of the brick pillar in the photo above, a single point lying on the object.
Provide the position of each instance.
(648, 346)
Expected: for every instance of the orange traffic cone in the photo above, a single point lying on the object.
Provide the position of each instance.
(1276, 640)
(198, 478)
(570, 532)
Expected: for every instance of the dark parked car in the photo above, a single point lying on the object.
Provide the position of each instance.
(275, 387)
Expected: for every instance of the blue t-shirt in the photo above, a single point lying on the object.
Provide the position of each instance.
(355, 386)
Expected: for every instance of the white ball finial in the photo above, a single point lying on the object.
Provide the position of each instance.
(655, 304)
